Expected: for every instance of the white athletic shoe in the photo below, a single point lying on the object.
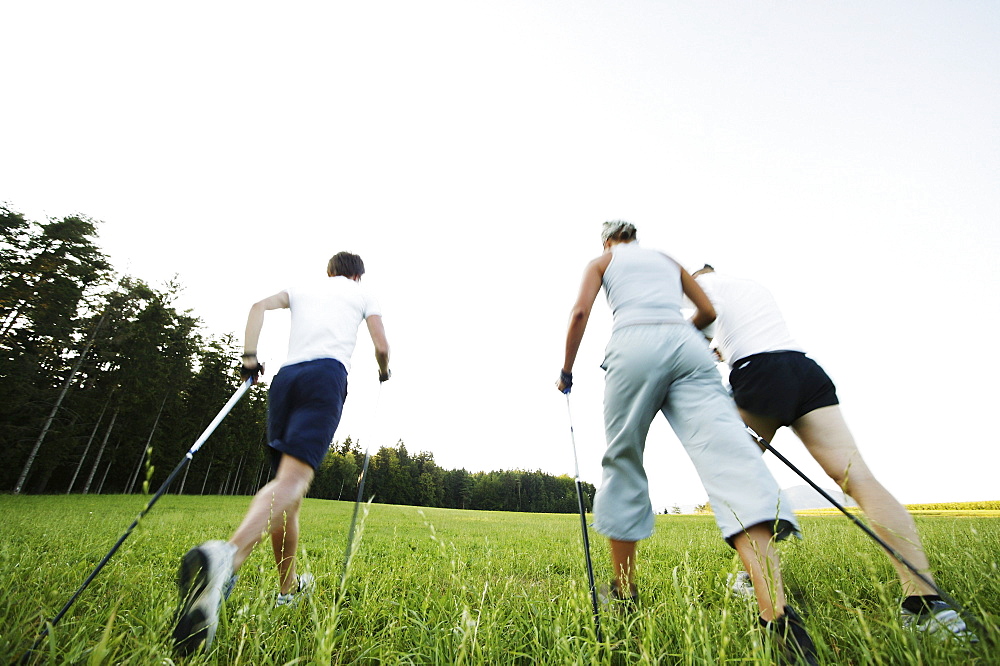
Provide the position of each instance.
(740, 585)
(204, 572)
(939, 620)
(304, 586)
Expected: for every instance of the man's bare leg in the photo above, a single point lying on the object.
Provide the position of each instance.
(285, 542)
(279, 497)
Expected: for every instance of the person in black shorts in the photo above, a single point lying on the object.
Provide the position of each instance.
(775, 384)
(305, 402)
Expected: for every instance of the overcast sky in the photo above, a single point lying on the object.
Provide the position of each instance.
(846, 154)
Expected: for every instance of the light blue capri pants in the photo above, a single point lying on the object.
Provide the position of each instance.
(667, 368)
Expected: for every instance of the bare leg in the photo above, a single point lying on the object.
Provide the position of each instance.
(764, 426)
(623, 564)
(285, 542)
(756, 549)
(829, 441)
(280, 497)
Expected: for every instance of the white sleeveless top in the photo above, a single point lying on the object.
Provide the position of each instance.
(642, 286)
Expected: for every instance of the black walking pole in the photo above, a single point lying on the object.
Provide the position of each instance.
(149, 505)
(583, 526)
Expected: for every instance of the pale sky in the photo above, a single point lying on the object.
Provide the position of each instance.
(845, 154)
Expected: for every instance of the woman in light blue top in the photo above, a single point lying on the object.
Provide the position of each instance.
(657, 361)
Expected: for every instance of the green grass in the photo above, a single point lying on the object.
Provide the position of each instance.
(438, 586)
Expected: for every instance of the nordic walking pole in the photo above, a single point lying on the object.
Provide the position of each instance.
(583, 526)
(149, 505)
(867, 530)
(361, 492)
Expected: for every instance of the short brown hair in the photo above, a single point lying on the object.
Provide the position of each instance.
(346, 264)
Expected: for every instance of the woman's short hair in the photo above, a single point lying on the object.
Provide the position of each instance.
(618, 230)
(346, 264)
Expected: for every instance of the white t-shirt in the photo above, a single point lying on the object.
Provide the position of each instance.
(326, 314)
(748, 320)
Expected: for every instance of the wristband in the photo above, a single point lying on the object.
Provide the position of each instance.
(567, 379)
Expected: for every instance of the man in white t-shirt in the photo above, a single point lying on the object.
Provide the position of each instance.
(775, 384)
(305, 402)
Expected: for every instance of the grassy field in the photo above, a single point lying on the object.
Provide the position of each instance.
(437, 586)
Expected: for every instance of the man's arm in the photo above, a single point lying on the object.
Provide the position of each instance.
(255, 322)
(377, 331)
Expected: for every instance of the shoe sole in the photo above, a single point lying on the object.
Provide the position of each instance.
(194, 626)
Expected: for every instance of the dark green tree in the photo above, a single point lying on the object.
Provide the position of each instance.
(49, 271)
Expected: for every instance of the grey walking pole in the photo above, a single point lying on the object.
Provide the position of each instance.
(971, 619)
(583, 527)
(149, 505)
(348, 551)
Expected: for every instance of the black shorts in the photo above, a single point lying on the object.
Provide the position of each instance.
(781, 385)
(305, 402)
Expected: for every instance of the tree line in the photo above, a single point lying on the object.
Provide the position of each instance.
(396, 477)
(107, 384)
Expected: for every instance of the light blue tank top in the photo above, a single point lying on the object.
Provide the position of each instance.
(643, 287)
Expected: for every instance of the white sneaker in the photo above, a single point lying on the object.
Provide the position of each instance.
(304, 586)
(203, 574)
(939, 620)
(740, 585)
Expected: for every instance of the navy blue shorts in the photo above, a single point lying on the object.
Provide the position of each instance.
(305, 402)
(781, 385)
